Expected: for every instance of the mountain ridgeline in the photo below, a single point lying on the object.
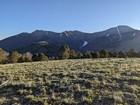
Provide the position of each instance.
(120, 38)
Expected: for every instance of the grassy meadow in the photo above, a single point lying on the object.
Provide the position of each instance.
(71, 82)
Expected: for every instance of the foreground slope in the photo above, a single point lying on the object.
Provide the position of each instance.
(71, 82)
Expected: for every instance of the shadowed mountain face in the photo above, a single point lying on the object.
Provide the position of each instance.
(41, 47)
(114, 39)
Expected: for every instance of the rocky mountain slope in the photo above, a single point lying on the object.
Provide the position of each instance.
(120, 38)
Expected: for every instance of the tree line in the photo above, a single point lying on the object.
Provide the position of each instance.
(65, 52)
(15, 57)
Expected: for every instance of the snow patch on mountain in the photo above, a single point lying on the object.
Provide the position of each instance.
(61, 35)
(119, 32)
(66, 33)
(85, 43)
(107, 35)
(134, 34)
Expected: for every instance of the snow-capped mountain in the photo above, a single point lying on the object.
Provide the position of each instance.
(114, 39)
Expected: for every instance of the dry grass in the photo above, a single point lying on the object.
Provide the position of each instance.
(87, 81)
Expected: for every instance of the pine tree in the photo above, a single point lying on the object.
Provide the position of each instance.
(14, 57)
(72, 54)
(121, 54)
(95, 55)
(35, 57)
(21, 59)
(87, 55)
(103, 53)
(64, 52)
(28, 56)
(2, 55)
(132, 53)
(115, 54)
(79, 55)
(42, 57)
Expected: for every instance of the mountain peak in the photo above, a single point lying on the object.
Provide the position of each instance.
(124, 28)
(108, 39)
(39, 32)
(120, 29)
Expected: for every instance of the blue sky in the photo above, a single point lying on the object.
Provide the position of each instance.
(18, 16)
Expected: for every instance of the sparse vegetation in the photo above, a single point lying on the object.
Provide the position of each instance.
(104, 81)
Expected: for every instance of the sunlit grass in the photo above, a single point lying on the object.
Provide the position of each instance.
(89, 81)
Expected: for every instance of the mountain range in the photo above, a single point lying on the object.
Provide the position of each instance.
(120, 38)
